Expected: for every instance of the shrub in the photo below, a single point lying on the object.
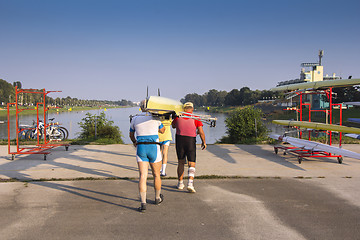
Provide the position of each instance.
(105, 131)
(241, 126)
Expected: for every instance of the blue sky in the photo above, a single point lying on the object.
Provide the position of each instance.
(102, 49)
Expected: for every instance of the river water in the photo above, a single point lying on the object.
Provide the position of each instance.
(120, 116)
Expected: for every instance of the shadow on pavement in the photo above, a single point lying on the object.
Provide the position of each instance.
(258, 151)
(221, 153)
(13, 169)
(83, 192)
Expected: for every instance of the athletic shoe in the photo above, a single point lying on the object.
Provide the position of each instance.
(159, 200)
(180, 186)
(142, 208)
(191, 189)
(163, 174)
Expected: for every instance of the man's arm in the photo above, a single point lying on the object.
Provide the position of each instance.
(173, 123)
(132, 137)
(202, 137)
(162, 130)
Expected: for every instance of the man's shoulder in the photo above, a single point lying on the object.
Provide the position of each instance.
(141, 118)
(198, 123)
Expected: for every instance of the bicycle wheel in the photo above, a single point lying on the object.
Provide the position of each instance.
(30, 134)
(22, 134)
(56, 134)
(65, 131)
(63, 134)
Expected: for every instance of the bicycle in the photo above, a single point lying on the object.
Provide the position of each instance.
(23, 129)
(54, 132)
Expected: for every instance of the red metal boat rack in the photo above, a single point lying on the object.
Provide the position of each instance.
(329, 115)
(42, 146)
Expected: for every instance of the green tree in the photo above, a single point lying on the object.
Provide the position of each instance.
(233, 98)
(246, 96)
(215, 98)
(347, 94)
(7, 92)
(211, 97)
(98, 128)
(245, 126)
(196, 99)
(17, 84)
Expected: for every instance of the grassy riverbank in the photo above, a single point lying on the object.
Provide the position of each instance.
(32, 111)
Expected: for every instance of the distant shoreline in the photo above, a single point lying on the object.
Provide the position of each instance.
(3, 112)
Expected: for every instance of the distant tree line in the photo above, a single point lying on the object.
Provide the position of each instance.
(346, 94)
(245, 96)
(7, 95)
(235, 97)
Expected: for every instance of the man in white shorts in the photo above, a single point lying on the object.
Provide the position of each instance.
(165, 140)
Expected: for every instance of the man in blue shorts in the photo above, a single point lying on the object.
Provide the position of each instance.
(146, 129)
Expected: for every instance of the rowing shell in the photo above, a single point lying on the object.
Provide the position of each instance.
(162, 105)
(352, 135)
(318, 85)
(352, 103)
(165, 107)
(318, 126)
(315, 146)
(354, 120)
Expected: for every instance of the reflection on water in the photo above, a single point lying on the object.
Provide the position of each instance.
(120, 116)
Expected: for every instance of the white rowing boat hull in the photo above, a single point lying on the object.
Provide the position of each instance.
(352, 103)
(315, 146)
(352, 135)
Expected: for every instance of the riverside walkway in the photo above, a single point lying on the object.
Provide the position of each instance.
(268, 196)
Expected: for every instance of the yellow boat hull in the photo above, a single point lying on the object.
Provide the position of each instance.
(162, 105)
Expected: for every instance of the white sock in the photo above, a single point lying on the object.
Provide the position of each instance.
(191, 182)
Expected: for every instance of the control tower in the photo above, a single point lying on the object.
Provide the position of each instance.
(316, 71)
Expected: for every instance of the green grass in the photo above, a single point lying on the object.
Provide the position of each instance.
(92, 141)
(29, 142)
